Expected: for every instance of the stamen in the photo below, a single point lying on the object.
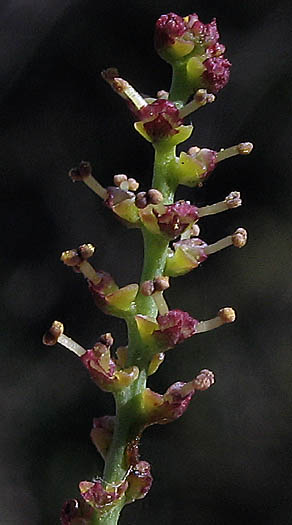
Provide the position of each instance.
(89, 272)
(192, 231)
(55, 334)
(219, 245)
(225, 315)
(123, 88)
(78, 259)
(200, 99)
(232, 200)
(202, 382)
(97, 188)
(244, 148)
(71, 345)
(84, 173)
(160, 303)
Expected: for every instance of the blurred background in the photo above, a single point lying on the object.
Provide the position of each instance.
(229, 459)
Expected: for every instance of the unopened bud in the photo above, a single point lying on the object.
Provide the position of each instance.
(133, 184)
(118, 179)
(147, 288)
(154, 196)
(141, 199)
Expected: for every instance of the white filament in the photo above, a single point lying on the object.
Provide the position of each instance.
(71, 345)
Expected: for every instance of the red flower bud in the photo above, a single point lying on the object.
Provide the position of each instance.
(217, 73)
(176, 218)
(168, 27)
(160, 119)
(175, 327)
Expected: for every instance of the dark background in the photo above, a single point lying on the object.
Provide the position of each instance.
(228, 460)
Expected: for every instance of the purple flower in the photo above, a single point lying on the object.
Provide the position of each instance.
(99, 495)
(139, 481)
(160, 119)
(217, 73)
(175, 327)
(168, 28)
(104, 371)
(206, 34)
(176, 218)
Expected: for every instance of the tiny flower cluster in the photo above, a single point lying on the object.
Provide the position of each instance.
(196, 44)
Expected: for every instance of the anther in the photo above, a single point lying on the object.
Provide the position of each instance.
(244, 148)
(55, 334)
(239, 238)
(161, 283)
(200, 99)
(232, 200)
(225, 315)
(202, 382)
(84, 173)
(107, 339)
(78, 259)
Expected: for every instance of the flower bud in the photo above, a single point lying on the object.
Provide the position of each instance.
(174, 328)
(216, 74)
(105, 372)
(171, 220)
(195, 166)
(101, 495)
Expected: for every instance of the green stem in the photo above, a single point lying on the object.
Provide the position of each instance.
(128, 420)
(164, 178)
(180, 89)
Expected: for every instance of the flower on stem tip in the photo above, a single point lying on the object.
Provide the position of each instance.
(198, 44)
